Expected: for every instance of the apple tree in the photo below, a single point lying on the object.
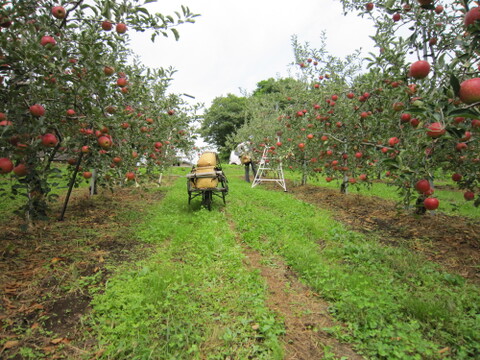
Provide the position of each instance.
(63, 73)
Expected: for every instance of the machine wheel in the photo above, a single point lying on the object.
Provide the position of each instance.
(207, 199)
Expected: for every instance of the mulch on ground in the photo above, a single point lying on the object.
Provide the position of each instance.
(451, 241)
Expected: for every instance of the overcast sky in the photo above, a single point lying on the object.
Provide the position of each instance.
(235, 44)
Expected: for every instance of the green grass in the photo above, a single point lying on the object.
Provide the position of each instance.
(193, 299)
(396, 304)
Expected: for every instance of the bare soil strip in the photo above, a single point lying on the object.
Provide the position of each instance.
(305, 314)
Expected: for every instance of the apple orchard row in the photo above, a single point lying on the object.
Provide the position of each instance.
(69, 92)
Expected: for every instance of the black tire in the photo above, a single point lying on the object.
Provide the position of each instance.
(207, 199)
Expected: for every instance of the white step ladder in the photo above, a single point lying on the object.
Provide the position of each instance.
(267, 173)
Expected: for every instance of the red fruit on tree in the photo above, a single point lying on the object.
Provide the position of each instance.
(414, 122)
(107, 25)
(20, 170)
(105, 142)
(130, 175)
(468, 195)
(393, 141)
(37, 110)
(59, 12)
(6, 165)
(369, 6)
(461, 146)
(456, 177)
(431, 203)
(122, 82)
(469, 92)
(405, 117)
(396, 17)
(49, 140)
(108, 70)
(439, 9)
(472, 16)
(121, 28)
(70, 112)
(419, 69)
(87, 174)
(422, 186)
(435, 130)
(47, 41)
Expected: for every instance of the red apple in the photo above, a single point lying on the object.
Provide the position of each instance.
(393, 141)
(461, 146)
(422, 186)
(37, 110)
(121, 28)
(470, 91)
(405, 117)
(105, 142)
(369, 6)
(130, 175)
(108, 70)
(310, 136)
(20, 170)
(435, 130)
(87, 174)
(49, 140)
(122, 82)
(456, 177)
(107, 25)
(301, 145)
(419, 69)
(47, 41)
(472, 16)
(70, 112)
(363, 177)
(431, 203)
(439, 9)
(414, 122)
(85, 149)
(59, 12)
(6, 165)
(468, 195)
(396, 17)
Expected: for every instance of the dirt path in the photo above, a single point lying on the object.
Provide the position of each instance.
(304, 313)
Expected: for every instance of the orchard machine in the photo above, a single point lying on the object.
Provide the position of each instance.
(207, 179)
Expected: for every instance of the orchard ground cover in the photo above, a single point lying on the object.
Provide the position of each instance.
(190, 283)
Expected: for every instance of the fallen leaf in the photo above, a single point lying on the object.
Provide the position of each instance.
(444, 350)
(56, 259)
(255, 326)
(10, 344)
(56, 341)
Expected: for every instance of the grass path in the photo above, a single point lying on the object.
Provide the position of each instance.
(221, 286)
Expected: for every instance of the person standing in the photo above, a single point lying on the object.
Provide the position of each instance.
(245, 153)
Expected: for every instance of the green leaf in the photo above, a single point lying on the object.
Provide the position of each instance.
(176, 34)
(469, 113)
(455, 84)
